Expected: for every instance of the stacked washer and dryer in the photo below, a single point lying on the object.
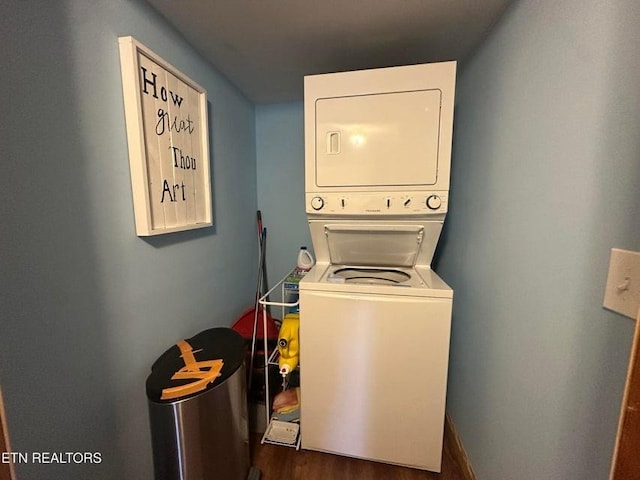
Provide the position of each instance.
(374, 318)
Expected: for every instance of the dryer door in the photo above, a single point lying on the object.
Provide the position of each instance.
(387, 139)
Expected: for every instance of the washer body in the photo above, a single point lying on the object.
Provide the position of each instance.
(374, 367)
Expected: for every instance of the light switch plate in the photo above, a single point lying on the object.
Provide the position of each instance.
(622, 292)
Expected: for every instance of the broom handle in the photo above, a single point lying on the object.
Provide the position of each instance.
(256, 304)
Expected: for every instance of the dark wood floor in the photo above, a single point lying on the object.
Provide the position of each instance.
(283, 463)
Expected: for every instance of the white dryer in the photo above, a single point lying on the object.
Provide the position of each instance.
(374, 318)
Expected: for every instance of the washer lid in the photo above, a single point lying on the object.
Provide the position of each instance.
(374, 245)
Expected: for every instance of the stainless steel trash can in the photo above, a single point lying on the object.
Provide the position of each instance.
(200, 435)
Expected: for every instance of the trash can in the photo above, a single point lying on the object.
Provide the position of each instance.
(198, 409)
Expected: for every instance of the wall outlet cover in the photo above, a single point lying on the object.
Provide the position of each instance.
(622, 292)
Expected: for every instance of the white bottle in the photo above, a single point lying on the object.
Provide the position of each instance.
(305, 259)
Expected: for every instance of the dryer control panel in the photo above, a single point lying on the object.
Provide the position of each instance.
(378, 203)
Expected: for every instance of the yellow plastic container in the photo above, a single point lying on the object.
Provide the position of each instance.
(288, 343)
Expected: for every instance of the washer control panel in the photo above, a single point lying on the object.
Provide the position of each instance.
(405, 203)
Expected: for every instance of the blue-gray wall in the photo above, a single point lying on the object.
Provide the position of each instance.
(86, 306)
(280, 158)
(545, 179)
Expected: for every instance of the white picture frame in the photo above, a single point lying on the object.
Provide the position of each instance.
(168, 142)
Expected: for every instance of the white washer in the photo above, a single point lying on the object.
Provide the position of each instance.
(374, 318)
(374, 353)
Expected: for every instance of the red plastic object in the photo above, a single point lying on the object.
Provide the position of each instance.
(244, 325)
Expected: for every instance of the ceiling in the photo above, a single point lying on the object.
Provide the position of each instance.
(265, 47)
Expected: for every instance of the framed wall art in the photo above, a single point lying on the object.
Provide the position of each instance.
(168, 140)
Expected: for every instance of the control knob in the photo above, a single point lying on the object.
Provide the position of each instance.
(434, 202)
(317, 203)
